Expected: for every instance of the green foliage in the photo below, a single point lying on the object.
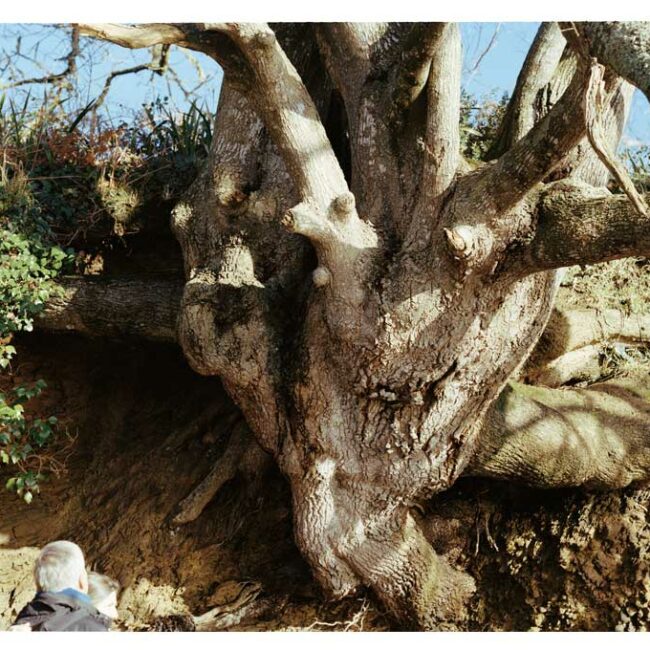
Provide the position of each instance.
(29, 262)
(21, 438)
(479, 123)
(27, 268)
(79, 172)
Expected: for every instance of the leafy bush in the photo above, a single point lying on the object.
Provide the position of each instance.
(27, 269)
(82, 170)
(29, 262)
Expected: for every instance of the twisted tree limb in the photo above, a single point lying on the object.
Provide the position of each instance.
(622, 46)
(511, 177)
(594, 105)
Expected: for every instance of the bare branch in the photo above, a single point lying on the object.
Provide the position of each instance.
(158, 64)
(486, 51)
(70, 69)
(594, 106)
(536, 72)
(531, 159)
(412, 73)
(277, 92)
(580, 224)
(145, 35)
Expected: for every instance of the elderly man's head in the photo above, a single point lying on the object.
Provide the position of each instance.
(60, 566)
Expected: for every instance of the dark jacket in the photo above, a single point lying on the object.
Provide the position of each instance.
(62, 611)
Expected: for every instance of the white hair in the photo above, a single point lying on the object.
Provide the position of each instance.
(59, 566)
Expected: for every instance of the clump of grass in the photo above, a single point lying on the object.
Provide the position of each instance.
(80, 172)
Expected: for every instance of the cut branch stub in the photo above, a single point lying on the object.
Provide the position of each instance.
(471, 245)
(306, 219)
(343, 206)
(321, 276)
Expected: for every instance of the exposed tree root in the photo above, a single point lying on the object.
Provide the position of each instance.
(242, 454)
(555, 438)
(573, 341)
(115, 308)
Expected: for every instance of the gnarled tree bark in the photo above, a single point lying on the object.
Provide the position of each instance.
(364, 298)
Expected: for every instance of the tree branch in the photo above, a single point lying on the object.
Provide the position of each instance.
(442, 140)
(622, 46)
(544, 437)
(537, 71)
(70, 69)
(290, 116)
(595, 103)
(158, 64)
(114, 308)
(145, 35)
(579, 224)
(412, 73)
(529, 161)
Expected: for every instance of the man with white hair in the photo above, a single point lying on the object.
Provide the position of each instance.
(61, 602)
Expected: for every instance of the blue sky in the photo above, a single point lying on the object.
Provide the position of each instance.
(495, 74)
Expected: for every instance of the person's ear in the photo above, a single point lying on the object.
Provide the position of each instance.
(83, 582)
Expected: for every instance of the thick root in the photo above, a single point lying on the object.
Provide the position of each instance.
(573, 341)
(242, 453)
(419, 587)
(349, 545)
(555, 438)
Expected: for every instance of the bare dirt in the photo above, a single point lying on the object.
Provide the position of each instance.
(147, 430)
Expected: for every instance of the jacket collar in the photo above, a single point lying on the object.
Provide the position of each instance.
(74, 593)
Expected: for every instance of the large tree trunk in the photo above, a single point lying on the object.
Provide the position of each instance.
(363, 296)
